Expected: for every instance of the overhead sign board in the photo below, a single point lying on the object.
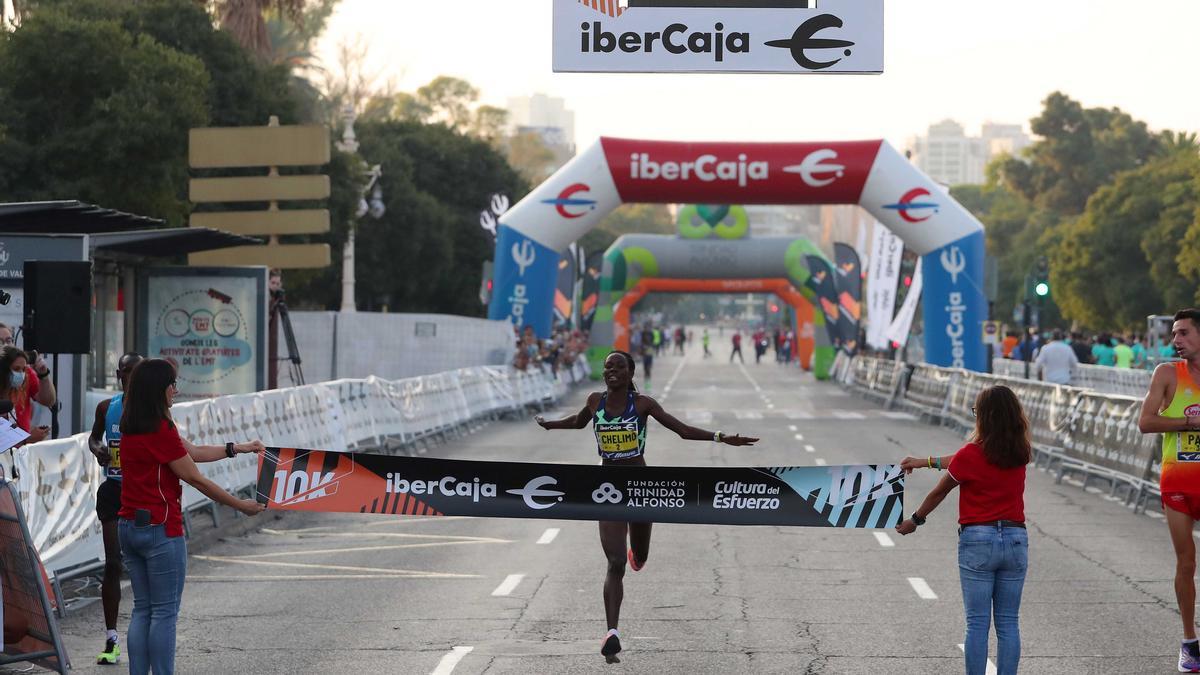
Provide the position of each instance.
(836, 36)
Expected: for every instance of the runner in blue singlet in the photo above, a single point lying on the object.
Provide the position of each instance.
(105, 444)
(618, 416)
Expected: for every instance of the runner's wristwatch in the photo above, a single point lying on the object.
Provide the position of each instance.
(717, 436)
(917, 520)
(229, 451)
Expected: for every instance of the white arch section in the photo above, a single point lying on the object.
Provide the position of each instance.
(870, 174)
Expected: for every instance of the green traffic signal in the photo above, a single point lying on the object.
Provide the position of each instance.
(1042, 289)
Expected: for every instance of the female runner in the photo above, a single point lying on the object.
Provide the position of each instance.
(610, 412)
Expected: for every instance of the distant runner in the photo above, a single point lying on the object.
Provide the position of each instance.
(619, 417)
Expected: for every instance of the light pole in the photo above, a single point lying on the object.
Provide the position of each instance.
(375, 207)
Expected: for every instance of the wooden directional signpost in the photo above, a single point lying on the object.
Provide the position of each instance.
(267, 147)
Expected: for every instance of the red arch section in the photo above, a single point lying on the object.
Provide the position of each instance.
(803, 347)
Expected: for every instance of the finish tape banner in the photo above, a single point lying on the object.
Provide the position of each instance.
(850, 496)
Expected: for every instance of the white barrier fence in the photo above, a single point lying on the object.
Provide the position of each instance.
(1075, 430)
(1105, 379)
(58, 479)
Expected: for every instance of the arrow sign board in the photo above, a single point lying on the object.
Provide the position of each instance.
(838, 36)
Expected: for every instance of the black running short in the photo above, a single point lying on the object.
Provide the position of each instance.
(108, 500)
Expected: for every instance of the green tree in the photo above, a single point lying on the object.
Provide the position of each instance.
(1080, 149)
(93, 112)
(1121, 259)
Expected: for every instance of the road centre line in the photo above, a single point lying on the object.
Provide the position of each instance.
(922, 588)
(548, 536)
(349, 568)
(792, 427)
(991, 667)
(508, 585)
(446, 665)
(360, 549)
(820, 462)
(799, 437)
(674, 376)
(884, 540)
(809, 448)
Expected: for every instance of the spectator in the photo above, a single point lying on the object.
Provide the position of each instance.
(23, 385)
(6, 336)
(1122, 354)
(1009, 344)
(1102, 351)
(1083, 351)
(1139, 351)
(154, 458)
(1056, 361)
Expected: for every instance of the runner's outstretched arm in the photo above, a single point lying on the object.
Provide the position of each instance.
(688, 432)
(579, 420)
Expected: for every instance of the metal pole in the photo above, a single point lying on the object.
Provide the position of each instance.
(348, 272)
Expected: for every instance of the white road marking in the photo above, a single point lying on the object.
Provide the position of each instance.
(799, 437)
(809, 448)
(360, 549)
(896, 415)
(770, 405)
(991, 667)
(508, 585)
(446, 665)
(923, 590)
(698, 416)
(884, 540)
(819, 461)
(674, 376)
(795, 415)
(847, 415)
(791, 427)
(745, 372)
(1154, 514)
(418, 574)
(548, 536)
(747, 414)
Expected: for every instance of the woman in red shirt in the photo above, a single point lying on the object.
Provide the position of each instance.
(993, 547)
(23, 383)
(154, 458)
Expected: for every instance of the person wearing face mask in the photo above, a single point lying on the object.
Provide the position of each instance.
(23, 385)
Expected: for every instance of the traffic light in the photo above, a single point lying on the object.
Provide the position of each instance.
(1041, 286)
(485, 284)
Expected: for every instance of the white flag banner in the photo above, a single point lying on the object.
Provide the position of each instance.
(883, 273)
(898, 331)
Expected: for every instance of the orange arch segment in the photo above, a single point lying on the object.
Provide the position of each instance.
(805, 342)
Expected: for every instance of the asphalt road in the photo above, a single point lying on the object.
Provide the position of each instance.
(326, 593)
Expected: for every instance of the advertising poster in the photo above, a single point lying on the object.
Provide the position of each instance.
(210, 322)
(851, 496)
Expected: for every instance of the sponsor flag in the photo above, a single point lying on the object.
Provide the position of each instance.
(822, 283)
(849, 290)
(882, 279)
(898, 331)
(851, 496)
(564, 292)
(591, 287)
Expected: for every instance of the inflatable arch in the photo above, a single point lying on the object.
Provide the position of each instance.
(636, 263)
(868, 173)
(802, 348)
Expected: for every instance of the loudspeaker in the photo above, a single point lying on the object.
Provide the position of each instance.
(58, 306)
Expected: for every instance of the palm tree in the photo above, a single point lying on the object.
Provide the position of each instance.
(1180, 141)
(245, 20)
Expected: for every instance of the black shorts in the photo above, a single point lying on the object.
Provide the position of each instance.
(108, 500)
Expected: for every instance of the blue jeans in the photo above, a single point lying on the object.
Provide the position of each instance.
(157, 566)
(991, 566)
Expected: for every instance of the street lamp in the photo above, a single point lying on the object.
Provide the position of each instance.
(373, 207)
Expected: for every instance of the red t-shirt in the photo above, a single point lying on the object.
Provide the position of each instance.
(986, 492)
(146, 480)
(23, 397)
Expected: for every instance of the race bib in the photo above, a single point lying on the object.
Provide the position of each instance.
(617, 437)
(113, 470)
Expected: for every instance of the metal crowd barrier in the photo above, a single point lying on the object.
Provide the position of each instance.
(1104, 379)
(1075, 431)
(59, 478)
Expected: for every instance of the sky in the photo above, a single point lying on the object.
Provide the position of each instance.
(961, 59)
